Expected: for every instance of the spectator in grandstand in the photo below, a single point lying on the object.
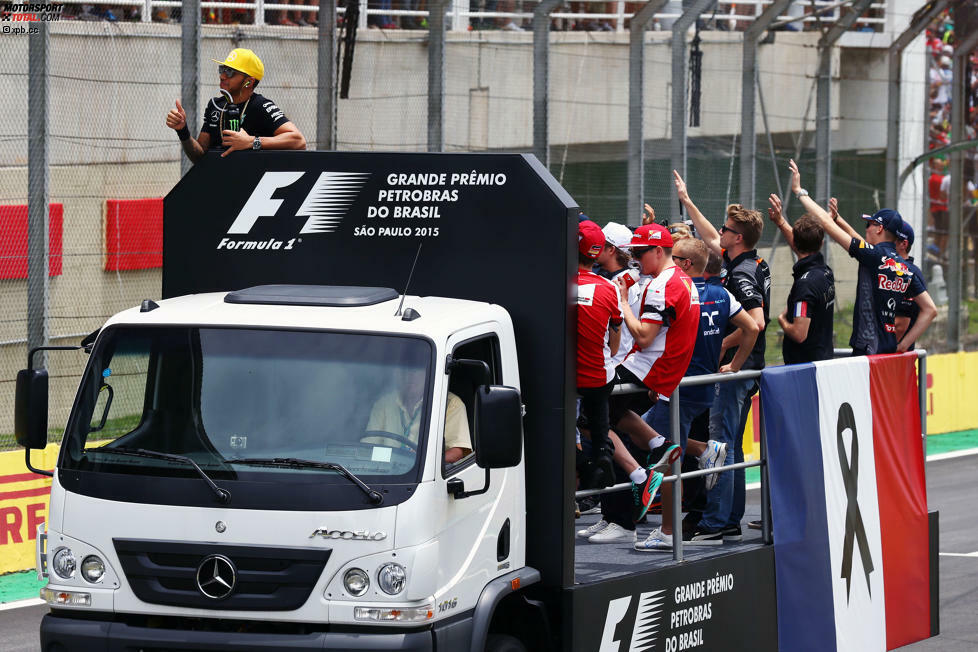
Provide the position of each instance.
(938, 186)
(249, 121)
(807, 320)
(884, 278)
(749, 281)
(718, 308)
(599, 320)
(907, 310)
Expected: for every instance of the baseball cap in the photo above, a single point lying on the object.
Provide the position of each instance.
(590, 238)
(888, 218)
(244, 60)
(617, 235)
(946, 61)
(651, 235)
(906, 233)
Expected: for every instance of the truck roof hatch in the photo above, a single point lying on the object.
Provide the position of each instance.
(342, 296)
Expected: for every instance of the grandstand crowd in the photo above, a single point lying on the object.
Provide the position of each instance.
(667, 301)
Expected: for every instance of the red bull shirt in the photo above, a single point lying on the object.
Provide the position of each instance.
(884, 281)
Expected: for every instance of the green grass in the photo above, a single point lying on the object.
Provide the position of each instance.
(114, 428)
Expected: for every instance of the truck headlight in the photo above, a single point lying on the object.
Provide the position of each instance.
(64, 563)
(93, 569)
(356, 582)
(391, 578)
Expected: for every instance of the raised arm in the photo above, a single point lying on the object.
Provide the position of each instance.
(777, 218)
(706, 230)
(834, 214)
(831, 228)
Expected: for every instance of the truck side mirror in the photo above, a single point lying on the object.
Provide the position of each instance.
(498, 427)
(31, 408)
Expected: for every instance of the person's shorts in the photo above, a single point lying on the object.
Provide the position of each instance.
(638, 402)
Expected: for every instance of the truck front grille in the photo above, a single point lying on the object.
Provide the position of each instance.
(268, 579)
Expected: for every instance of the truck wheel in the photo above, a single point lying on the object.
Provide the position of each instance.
(504, 643)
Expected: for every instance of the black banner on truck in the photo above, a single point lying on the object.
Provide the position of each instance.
(724, 603)
(492, 227)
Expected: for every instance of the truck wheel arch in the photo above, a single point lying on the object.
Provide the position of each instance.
(492, 595)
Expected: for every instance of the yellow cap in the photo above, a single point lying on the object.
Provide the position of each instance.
(245, 61)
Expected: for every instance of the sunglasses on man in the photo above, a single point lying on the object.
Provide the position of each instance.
(725, 228)
(227, 71)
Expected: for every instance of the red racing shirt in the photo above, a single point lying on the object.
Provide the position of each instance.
(669, 299)
(597, 307)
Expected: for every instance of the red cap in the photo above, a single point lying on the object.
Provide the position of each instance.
(651, 235)
(590, 238)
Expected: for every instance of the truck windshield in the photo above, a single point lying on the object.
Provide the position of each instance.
(223, 396)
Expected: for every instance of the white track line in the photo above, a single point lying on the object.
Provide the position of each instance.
(948, 456)
(20, 604)
(958, 554)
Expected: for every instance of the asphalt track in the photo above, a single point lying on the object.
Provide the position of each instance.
(951, 489)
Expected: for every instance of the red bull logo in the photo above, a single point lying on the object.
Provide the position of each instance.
(898, 285)
(894, 266)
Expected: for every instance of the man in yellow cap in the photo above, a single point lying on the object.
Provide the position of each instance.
(246, 121)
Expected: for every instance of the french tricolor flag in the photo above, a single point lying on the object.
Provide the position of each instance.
(849, 504)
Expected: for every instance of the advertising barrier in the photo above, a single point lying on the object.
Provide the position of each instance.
(23, 506)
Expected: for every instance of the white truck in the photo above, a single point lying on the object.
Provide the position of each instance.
(274, 455)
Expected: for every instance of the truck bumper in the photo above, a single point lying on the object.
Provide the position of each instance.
(61, 633)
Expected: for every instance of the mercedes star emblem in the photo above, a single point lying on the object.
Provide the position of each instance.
(216, 577)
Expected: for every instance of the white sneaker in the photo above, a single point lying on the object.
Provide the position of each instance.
(614, 533)
(594, 529)
(512, 27)
(656, 541)
(714, 455)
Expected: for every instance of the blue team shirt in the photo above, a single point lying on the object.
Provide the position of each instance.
(909, 307)
(716, 310)
(884, 281)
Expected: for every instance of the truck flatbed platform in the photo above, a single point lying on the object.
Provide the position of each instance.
(599, 562)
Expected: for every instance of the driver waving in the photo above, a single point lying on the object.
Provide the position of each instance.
(399, 412)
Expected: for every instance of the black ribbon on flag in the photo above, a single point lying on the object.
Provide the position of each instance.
(855, 530)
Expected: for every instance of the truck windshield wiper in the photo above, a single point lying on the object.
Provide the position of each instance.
(223, 495)
(293, 462)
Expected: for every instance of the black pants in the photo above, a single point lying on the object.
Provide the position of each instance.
(594, 407)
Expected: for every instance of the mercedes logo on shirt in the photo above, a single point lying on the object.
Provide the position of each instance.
(216, 577)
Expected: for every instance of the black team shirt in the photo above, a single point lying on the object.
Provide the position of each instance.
(261, 117)
(812, 295)
(749, 280)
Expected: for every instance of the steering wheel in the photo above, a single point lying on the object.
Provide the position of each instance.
(401, 439)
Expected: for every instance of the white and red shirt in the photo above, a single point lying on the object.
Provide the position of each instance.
(597, 307)
(669, 299)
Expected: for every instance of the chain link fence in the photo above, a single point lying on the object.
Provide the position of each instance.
(112, 158)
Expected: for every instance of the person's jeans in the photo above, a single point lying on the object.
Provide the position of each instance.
(659, 419)
(726, 501)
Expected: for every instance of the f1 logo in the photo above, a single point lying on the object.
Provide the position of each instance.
(325, 205)
(646, 622)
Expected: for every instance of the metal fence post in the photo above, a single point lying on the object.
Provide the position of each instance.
(677, 486)
(962, 50)
(436, 75)
(748, 130)
(679, 87)
(38, 211)
(823, 103)
(190, 68)
(260, 12)
(541, 79)
(326, 77)
(636, 106)
(766, 534)
(893, 100)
